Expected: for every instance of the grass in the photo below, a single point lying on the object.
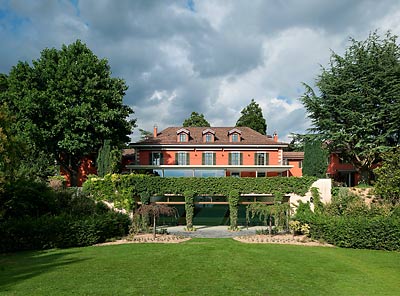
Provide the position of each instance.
(201, 267)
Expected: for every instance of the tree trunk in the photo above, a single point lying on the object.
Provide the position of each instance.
(365, 175)
(270, 224)
(154, 226)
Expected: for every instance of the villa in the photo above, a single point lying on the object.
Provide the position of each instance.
(215, 152)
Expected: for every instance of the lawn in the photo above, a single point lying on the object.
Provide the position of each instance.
(201, 267)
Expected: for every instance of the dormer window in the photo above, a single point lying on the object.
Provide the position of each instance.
(234, 135)
(182, 135)
(208, 135)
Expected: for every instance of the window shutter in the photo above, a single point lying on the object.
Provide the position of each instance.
(255, 158)
(187, 158)
(241, 158)
(230, 158)
(203, 156)
(176, 157)
(214, 158)
(161, 158)
(150, 158)
(266, 158)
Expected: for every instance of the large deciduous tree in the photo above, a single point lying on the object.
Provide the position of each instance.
(66, 104)
(252, 117)
(357, 108)
(195, 119)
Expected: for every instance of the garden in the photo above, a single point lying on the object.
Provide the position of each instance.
(200, 267)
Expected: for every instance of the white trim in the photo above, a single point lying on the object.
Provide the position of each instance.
(235, 130)
(214, 146)
(243, 168)
(182, 130)
(208, 131)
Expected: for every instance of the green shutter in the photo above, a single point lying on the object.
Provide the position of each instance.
(203, 157)
(176, 157)
(230, 158)
(214, 159)
(161, 158)
(255, 158)
(188, 158)
(267, 158)
(150, 158)
(241, 158)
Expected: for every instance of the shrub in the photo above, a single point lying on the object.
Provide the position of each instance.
(382, 233)
(60, 231)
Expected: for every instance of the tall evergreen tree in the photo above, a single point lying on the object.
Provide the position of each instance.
(252, 117)
(357, 109)
(196, 119)
(315, 159)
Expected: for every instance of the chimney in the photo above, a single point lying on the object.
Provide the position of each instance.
(155, 131)
(275, 136)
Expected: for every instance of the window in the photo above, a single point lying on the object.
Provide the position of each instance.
(301, 164)
(260, 175)
(235, 158)
(182, 137)
(235, 174)
(182, 158)
(208, 158)
(285, 161)
(156, 158)
(235, 138)
(209, 138)
(261, 158)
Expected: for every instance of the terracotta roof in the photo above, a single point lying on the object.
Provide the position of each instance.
(293, 155)
(248, 137)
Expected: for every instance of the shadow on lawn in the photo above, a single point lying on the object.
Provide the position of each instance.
(17, 267)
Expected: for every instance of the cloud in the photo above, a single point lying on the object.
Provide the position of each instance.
(208, 56)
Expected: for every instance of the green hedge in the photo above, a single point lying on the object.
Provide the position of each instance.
(60, 231)
(121, 188)
(380, 232)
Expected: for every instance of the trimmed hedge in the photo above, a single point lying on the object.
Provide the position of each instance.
(121, 188)
(380, 232)
(61, 231)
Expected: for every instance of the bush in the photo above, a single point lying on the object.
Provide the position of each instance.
(61, 231)
(381, 233)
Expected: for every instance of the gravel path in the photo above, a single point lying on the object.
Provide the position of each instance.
(213, 231)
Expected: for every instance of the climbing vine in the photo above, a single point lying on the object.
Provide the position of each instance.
(189, 208)
(233, 199)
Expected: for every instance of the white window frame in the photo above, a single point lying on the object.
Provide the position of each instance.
(158, 159)
(182, 158)
(238, 158)
(235, 137)
(182, 137)
(208, 158)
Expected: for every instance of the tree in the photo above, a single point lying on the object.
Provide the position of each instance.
(315, 159)
(108, 159)
(66, 104)
(144, 135)
(387, 184)
(195, 119)
(357, 109)
(155, 211)
(252, 117)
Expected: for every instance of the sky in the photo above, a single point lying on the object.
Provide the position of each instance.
(208, 56)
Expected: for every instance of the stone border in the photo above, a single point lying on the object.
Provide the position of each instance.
(286, 239)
